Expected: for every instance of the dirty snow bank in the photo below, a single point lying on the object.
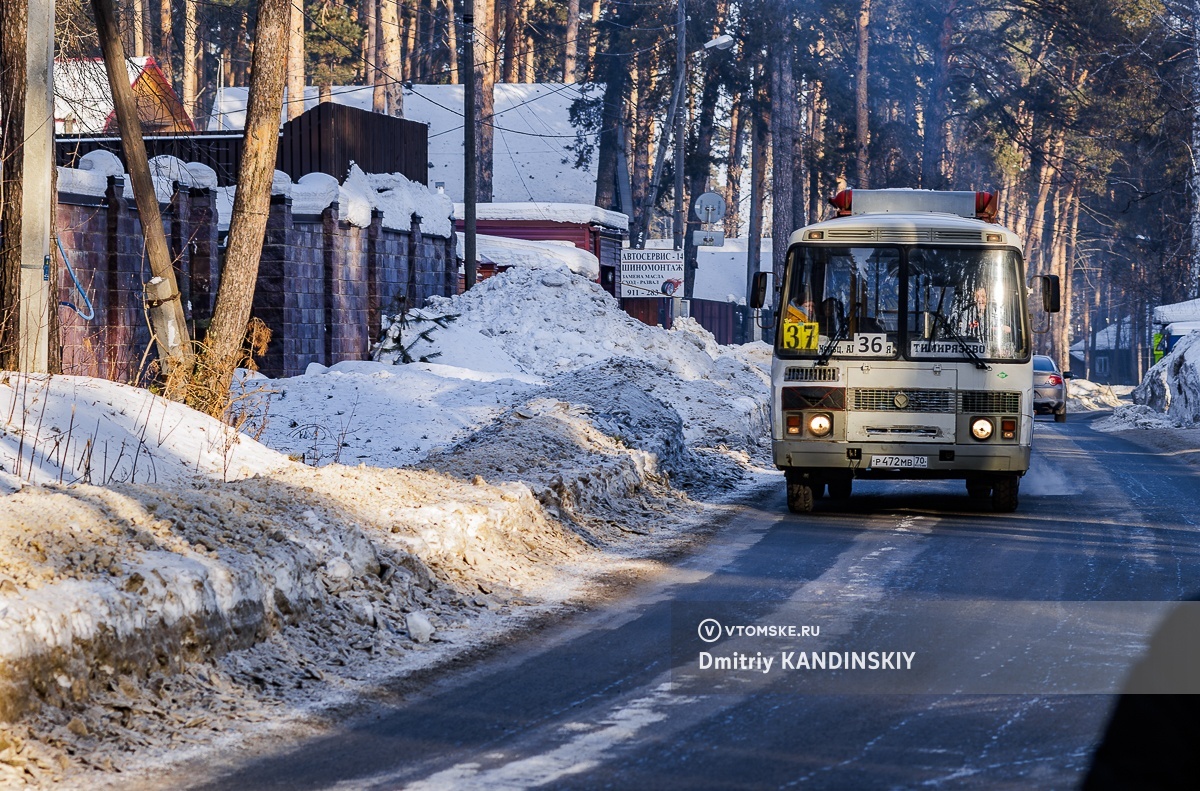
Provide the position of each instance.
(1169, 395)
(1087, 396)
(102, 589)
(1172, 386)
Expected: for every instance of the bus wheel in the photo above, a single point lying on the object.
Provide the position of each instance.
(978, 488)
(799, 498)
(839, 489)
(1004, 494)
(1060, 415)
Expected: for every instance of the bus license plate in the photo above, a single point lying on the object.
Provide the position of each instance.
(901, 462)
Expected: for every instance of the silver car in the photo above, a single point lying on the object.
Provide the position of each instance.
(1049, 388)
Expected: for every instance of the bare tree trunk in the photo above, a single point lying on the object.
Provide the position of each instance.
(14, 19)
(389, 57)
(615, 77)
(527, 51)
(166, 41)
(222, 350)
(570, 47)
(511, 38)
(1035, 229)
(862, 129)
(409, 25)
(191, 54)
(139, 16)
(641, 144)
(428, 25)
(452, 41)
(1064, 266)
(170, 327)
(934, 144)
(378, 78)
(366, 18)
(733, 168)
(295, 60)
(1194, 267)
(785, 111)
(594, 36)
(485, 89)
(816, 135)
(758, 179)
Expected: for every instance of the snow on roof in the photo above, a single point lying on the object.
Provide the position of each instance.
(1178, 311)
(583, 213)
(1107, 338)
(535, 255)
(531, 161)
(83, 98)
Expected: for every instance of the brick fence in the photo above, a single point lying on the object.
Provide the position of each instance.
(323, 283)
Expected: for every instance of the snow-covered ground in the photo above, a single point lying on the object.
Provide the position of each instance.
(194, 585)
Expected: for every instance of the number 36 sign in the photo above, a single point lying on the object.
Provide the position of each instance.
(805, 336)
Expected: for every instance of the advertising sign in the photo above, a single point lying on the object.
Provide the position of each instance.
(651, 273)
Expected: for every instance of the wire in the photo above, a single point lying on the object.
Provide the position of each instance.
(91, 314)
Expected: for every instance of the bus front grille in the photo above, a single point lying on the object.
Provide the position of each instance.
(989, 401)
(823, 374)
(910, 400)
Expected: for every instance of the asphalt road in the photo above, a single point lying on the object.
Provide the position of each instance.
(1007, 613)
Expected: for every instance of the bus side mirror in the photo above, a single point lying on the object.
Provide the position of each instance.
(1051, 294)
(758, 290)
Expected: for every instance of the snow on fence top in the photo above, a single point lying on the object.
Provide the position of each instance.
(391, 193)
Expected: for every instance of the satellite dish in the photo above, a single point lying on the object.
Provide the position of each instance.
(709, 207)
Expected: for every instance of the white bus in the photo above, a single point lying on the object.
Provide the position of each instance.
(903, 347)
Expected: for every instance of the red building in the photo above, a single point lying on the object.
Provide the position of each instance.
(590, 228)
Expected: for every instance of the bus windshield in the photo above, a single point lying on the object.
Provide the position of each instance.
(965, 301)
(842, 301)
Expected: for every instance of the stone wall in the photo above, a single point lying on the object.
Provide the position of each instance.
(323, 283)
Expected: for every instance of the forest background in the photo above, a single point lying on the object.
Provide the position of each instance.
(1082, 113)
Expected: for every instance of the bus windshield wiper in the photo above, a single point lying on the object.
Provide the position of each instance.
(962, 343)
(827, 352)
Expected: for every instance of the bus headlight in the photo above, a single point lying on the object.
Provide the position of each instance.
(982, 428)
(820, 424)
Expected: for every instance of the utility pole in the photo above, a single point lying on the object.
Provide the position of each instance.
(162, 292)
(470, 129)
(680, 115)
(37, 194)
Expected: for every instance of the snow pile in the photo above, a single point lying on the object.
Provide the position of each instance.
(1086, 396)
(380, 414)
(1136, 416)
(68, 429)
(1172, 386)
(543, 324)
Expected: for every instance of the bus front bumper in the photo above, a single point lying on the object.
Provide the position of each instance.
(901, 460)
